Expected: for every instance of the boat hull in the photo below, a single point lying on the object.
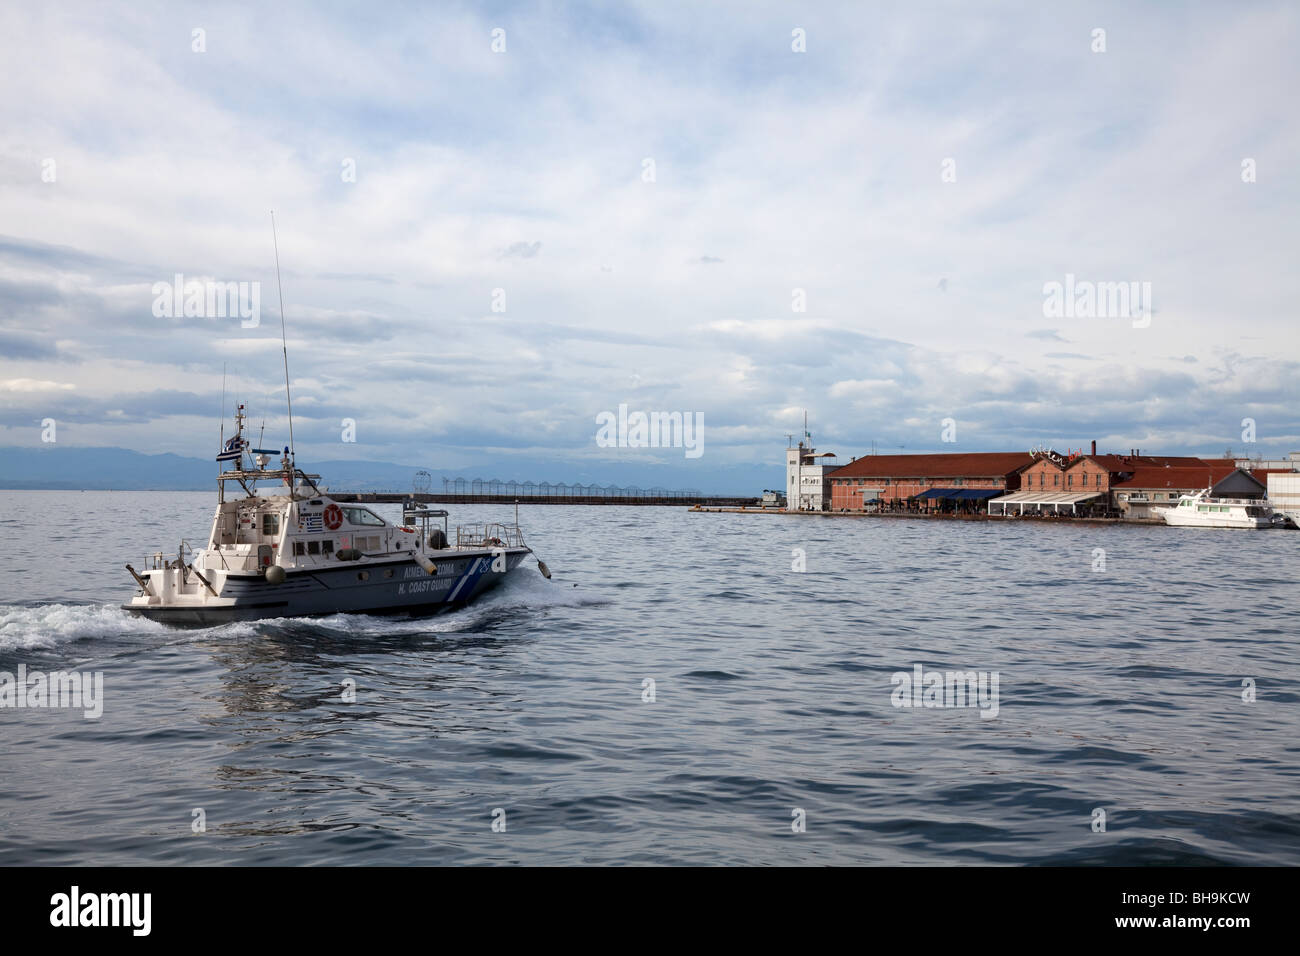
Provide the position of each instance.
(1209, 521)
(399, 586)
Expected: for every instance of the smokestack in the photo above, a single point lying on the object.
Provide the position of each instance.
(1094, 446)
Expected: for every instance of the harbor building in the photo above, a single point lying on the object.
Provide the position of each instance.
(1156, 486)
(1042, 481)
(1125, 486)
(807, 478)
(1078, 484)
(927, 482)
(1284, 494)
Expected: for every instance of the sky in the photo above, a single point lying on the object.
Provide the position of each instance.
(485, 249)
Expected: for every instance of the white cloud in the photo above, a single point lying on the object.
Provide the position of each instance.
(33, 385)
(522, 172)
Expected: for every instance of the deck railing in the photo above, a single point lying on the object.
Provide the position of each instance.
(489, 536)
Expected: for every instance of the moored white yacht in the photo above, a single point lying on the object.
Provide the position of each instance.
(1203, 511)
(295, 551)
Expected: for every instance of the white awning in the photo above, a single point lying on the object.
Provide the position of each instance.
(1045, 497)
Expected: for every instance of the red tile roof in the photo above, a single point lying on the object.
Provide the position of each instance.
(1183, 476)
(968, 464)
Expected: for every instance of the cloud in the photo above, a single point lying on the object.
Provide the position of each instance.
(32, 385)
(14, 347)
(522, 250)
(818, 172)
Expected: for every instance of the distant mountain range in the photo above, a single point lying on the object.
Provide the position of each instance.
(120, 469)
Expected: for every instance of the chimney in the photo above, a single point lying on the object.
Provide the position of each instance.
(1094, 446)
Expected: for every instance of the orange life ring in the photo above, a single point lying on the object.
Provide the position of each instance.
(333, 517)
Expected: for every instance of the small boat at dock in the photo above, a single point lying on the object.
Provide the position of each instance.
(1203, 511)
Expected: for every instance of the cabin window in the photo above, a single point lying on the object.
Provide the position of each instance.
(299, 549)
(363, 517)
(327, 546)
(270, 524)
(313, 547)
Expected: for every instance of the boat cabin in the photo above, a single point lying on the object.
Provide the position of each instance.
(259, 531)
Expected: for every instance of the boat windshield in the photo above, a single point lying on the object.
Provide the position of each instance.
(363, 517)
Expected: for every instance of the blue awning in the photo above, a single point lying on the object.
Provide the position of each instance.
(959, 494)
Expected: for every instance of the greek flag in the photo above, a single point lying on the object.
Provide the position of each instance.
(311, 521)
(233, 450)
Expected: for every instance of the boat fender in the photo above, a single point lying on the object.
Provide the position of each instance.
(348, 554)
(274, 574)
(425, 563)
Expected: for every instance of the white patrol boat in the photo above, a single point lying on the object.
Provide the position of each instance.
(295, 551)
(1203, 511)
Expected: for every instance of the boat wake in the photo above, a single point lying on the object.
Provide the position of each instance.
(41, 626)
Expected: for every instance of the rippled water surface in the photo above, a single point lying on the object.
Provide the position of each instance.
(1118, 689)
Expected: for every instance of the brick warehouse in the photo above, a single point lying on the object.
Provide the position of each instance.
(1037, 482)
(895, 480)
(1092, 484)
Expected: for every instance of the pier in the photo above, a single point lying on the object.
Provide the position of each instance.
(928, 516)
(469, 498)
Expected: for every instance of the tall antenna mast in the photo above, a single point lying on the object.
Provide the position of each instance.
(221, 440)
(284, 345)
(221, 431)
